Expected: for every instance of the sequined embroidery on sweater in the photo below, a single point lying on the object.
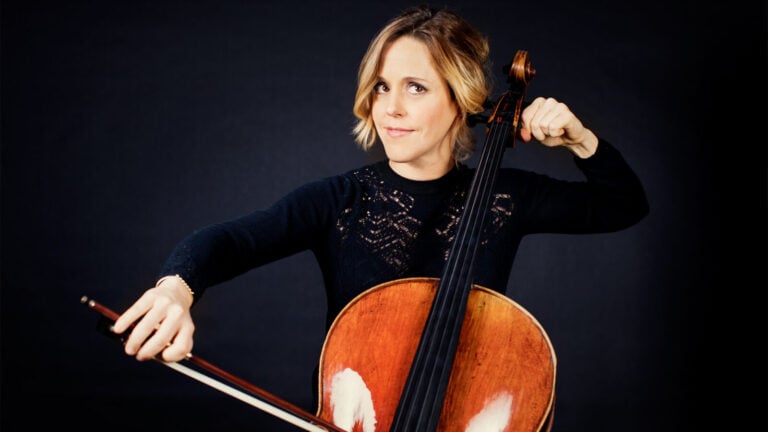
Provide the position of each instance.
(385, 223)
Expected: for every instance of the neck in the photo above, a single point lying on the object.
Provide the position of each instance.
(422, 173)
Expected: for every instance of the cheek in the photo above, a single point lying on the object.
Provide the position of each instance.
(376, 113)
(440, 120)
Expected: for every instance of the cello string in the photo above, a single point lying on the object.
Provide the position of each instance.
(476, 213)
(476, 221)
(441, 342)
(420, 380)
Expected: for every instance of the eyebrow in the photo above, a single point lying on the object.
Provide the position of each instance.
(407, 78)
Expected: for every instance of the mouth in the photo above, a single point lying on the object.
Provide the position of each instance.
(397, 132)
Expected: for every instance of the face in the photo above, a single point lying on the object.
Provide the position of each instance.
(413, 112)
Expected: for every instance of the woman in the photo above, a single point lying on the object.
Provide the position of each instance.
(423, 75)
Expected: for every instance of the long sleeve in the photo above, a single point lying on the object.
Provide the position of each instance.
(222, 251)
(611, 199)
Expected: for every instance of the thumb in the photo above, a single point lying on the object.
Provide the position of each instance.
(524, 134)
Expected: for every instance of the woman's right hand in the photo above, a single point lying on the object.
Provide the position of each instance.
(162, 322)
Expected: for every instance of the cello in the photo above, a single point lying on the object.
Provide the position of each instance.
(444, 354)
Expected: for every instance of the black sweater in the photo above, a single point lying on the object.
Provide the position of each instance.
(369, 225)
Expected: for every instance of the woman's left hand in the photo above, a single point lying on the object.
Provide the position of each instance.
(552, 123)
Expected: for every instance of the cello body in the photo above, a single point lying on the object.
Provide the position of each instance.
(504, 369)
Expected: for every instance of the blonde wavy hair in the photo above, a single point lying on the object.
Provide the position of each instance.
(460, 55)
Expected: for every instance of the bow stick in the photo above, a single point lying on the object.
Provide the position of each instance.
(254, 396)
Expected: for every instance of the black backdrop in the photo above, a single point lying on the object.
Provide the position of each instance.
(127, 124)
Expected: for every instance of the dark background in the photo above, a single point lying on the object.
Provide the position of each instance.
(127, 124)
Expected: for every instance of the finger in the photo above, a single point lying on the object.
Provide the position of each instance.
(167, 334)
(538, 119)
(533, 125)
(551, 119)
(554, 122)
(181, 345)
(140, 335)
(546, 117)
(536, 131)
(156, 341)
(529, 112)
(169, 337)
(133, 313)
(524, 134)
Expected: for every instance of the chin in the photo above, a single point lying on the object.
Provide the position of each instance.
(397, 157)
(391, 154)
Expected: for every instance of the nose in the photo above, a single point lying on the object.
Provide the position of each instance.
(395, 105)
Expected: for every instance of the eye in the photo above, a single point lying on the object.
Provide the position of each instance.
(416, 88)
(380, 87)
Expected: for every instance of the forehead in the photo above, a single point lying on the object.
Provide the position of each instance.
(407, 57)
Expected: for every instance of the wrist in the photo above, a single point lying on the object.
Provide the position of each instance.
(179, 281)
(586, 147)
